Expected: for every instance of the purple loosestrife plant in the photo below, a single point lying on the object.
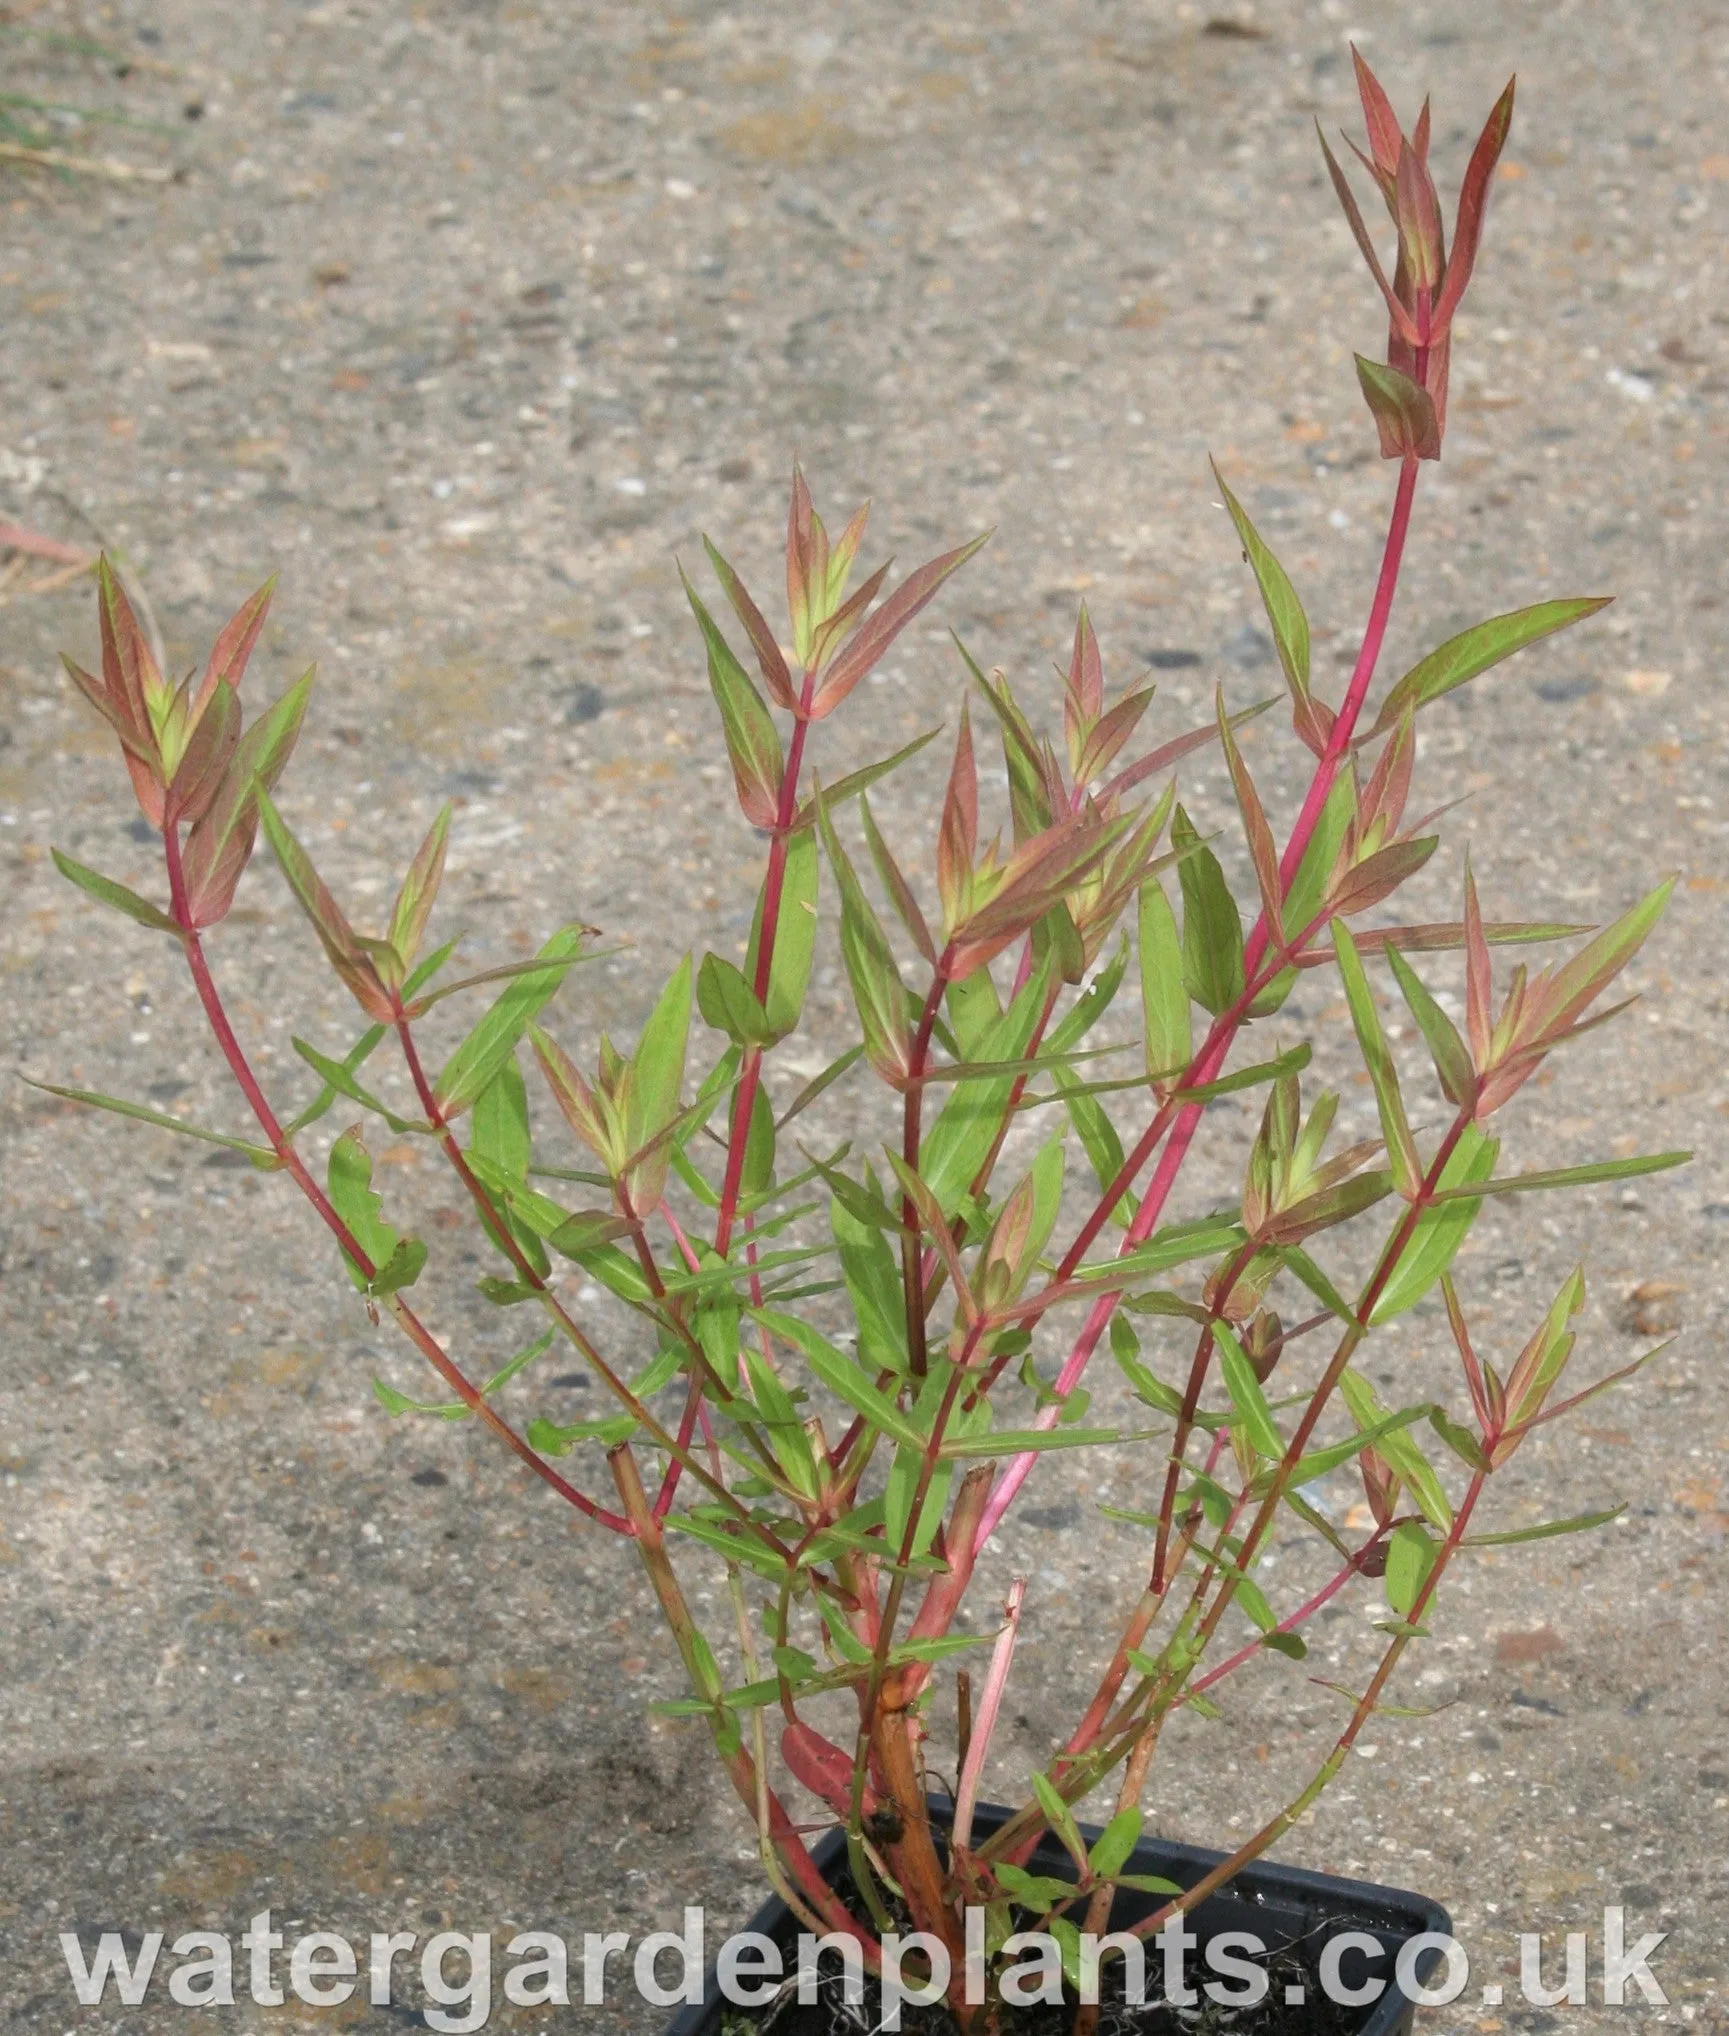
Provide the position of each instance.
(861, 1354)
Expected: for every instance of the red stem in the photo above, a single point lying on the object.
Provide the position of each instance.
(416, 1330)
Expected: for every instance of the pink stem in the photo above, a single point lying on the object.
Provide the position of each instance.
(1212, 1056)
(985, 1721)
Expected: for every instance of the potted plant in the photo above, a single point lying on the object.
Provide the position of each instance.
(864, 1349)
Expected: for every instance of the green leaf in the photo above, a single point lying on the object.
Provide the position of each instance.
(419, 890)
(587, 1230)
(780, 1415)
(501, 1128)
(843, 1377)
(1403, 410)
(337, 1077)
(108, 892)
(1567, 1176)
(1099, 1140)
(1410, 1558)
(349, 1177)
(1316, 1463)
(1035, 1891)
(957, 1144)
(752, 743)
(457, 1410)
(1464, 1445)
(1462, 657)
(657, 1066)
(402, 1269)
(1250, 1402)
(260, 1155)
(1026, 1441)
(858, 781)
(1149, 1883)
(1292, 1645)
(1145, 1384)
(552, 1440)
(1290, 626)
(1164, 987)
(729, 1004)
(1580, 1523)
(1060, 1818)
(1176, 1244)
(1212, 925)
(1399, 1447)
(1440, 1230)
(1249, 1077)
(873, 1284)
(795, 937)
(1378, 1059)
(494, 1039)
(879, 995)
(1446, 1049)
(1114, 1844)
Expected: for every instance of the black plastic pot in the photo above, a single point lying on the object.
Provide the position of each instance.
(1281, 1905)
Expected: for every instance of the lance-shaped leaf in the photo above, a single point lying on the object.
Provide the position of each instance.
(342, 946)
(958, 1143)
(1560, 995)
(1410, 1559)
(794, 937)
(1262, 852)
(1580, 1523)
(219, 845)
(419, 890)
(260, 1155)
(770, 660)
(209, 750)
(653, 1087)
(107, 892)
(1397, 1445)
(879, 995)
(341, 1078)
(1473, 200)
(1253, 1413)
(1034, 882)
(1403, 323)
(833, 631)
(493, 1040)
(1285, 617)
(1545, 1355)
(1439, 1231)
(1386, 137)
(1212, 926)
(843, 1377)
(1379, 875)
(233, 648)
(958, 836)
(1417, 212)
(1110, 734)
(1164, 989)
(806, 562)
(894, 882)
(1570, 1176)
(1462, 657)
(1378, 1059)
(729, 1004)
(858, 781)
(1404, 412)
(1446, 1048)
(752, 743)
(881, 628)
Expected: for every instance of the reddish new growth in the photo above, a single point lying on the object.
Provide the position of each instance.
(861, 1354)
